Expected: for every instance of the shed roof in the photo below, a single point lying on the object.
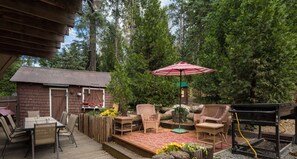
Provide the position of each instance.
(53, 76)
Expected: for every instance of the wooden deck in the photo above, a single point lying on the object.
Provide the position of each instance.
(152, 141)
(86, 149)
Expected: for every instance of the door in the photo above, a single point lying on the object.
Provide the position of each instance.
(58, 102)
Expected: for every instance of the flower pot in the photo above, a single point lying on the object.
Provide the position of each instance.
(196, 154)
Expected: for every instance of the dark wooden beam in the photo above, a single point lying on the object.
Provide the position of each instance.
(29, 39)
(5, 61)
(41, 10)
(16, 50)
(34, 22)
(70, 6)
(22, 44)
(17, 28)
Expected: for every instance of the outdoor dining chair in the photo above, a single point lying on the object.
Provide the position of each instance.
(45, 134)
(11, 139)
(63, 118)
(15, 130)
(33, 113)
(70, 128)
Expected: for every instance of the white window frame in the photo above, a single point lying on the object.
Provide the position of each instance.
(92, 88)
(50, 98)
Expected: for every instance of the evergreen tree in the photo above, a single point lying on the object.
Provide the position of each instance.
(107, 58)
(148, 88)
(89, 26)
(7, 88)
(120, 87)
(194, 25)
(151, 48)
(71, 57)
(152, 37)
(252, 44)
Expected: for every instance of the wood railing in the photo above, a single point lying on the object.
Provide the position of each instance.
(9, 102)
(98, 128)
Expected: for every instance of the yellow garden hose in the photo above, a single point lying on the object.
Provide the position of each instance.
(246, 140)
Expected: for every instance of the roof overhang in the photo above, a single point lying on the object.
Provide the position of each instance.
(33, 27)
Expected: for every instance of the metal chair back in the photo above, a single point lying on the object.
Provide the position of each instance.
(33, 113)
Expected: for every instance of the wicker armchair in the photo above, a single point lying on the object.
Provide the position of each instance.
(215, 113)
(149, 117)
(212, 113)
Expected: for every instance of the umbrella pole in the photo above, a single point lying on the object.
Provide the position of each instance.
(179, 130)
(180, 96)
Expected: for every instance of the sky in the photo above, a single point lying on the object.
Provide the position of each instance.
(72, 36)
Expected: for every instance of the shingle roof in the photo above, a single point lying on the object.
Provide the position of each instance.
(52, 76)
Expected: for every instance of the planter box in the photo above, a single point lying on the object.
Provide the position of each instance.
(96, 127)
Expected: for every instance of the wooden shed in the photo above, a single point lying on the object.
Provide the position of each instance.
(52, 91)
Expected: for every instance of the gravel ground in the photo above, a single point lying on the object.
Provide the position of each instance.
(226, 154)
(287, 127)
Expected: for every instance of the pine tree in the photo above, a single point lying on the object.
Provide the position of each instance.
(252, 44)
(152, 37)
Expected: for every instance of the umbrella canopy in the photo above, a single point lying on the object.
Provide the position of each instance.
(182, 69)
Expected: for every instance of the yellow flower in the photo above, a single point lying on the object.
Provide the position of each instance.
(109, 112)
(169, 147)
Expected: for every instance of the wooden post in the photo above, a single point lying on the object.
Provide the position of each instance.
(91, 126)
(81, 122)
(96, 128)
(86, 124)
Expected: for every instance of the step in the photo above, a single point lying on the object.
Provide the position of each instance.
(133, 147)
(119, 151)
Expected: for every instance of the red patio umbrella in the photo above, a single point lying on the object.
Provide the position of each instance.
(181, 69)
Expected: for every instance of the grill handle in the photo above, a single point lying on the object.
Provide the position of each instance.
(251, 111)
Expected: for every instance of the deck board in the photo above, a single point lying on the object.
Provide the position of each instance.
(86, 149)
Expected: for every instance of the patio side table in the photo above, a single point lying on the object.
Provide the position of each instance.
(122, 124)
(213, 129)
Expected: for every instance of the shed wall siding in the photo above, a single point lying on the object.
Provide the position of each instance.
(32, 97)
(74, 101)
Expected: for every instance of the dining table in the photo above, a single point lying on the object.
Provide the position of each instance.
(31, 121)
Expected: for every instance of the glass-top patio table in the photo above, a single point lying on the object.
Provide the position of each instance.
(30, 121)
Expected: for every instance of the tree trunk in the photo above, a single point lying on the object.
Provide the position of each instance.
(92, 46)
(116, 30)
(181, 27)
(132, 22)
(253, 87)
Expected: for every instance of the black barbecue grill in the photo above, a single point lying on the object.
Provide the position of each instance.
(263, 115)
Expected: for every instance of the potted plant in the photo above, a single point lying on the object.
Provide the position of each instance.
(195, 150)
(180, 113)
